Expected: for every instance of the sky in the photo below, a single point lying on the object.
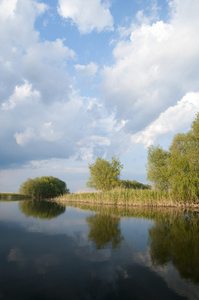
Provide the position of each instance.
(84, 79)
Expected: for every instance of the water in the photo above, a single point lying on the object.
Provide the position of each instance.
(53, 252)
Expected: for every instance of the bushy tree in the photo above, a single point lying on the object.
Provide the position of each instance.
(184, 166)
(44, 187)
(178, 168)
(157, 167)
(104, 175)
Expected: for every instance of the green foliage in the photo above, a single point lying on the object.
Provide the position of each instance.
(44, 187)
(176, 239)
(127, 184)
(41, 209)
(104, 175)
(157, 167)
(184, 167)
(104, 229)
(178, 168)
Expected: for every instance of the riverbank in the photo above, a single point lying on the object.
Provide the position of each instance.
(12, 196)
(128, 197)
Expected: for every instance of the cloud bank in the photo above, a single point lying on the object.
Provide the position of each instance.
(155, 66)
(148, 89)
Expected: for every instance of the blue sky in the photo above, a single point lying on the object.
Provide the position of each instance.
(87, 78)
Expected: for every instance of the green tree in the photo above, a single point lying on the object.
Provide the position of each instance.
(184, 167)
(178, 168)
(104, 229)
(104, 175)
(184, 164)
(157, 167)
(43, 187)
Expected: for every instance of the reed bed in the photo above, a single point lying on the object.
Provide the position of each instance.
(12, 196)
(127, 197)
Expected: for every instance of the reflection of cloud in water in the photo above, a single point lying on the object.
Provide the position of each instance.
(64, 245)
(45, 261)
(41, 263)
(17, 256)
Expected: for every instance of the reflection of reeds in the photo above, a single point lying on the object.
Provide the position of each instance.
(12, 196)
(126, 197)
(151, 213)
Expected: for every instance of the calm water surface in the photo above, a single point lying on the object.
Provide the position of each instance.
(52, 252)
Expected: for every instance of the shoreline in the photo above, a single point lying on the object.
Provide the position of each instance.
(130, 198)
(182, 205)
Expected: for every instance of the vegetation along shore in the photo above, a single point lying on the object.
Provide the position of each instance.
(128, 198)
(13, 196)
(173, 173)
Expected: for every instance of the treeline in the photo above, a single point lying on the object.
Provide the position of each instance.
(177, 170)
(127, 184)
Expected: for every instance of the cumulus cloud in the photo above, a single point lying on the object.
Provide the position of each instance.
(23, 55)
(88, 15)
(48, 133)
(154, 67)
(42, 116)
(87, 70)
(7, 8)
(174, 119)
(22, 94)
(24, 137)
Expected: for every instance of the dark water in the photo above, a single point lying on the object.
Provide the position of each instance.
(52, 252)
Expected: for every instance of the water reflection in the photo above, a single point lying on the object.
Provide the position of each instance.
(104, 229)
(176, 240)
(74, 257)
(41, 209)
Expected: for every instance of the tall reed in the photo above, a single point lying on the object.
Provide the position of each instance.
(127, 197)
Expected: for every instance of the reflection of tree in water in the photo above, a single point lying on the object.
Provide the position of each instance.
(41, 209)
(177, 240)
(104, 229)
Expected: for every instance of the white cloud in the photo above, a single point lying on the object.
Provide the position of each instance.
(172, 120)
(23, 54)
(24, 137)
(7, 8)
(48, 133)
(86, 146)
(87, 14)
(22, 95)
(87, 70)
(157, 65)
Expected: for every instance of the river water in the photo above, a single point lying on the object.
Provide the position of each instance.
(48, 251)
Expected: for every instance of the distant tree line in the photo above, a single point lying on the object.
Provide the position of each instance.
(128, 184)
(177, 169)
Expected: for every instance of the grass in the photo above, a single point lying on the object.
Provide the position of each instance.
(127, 197)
